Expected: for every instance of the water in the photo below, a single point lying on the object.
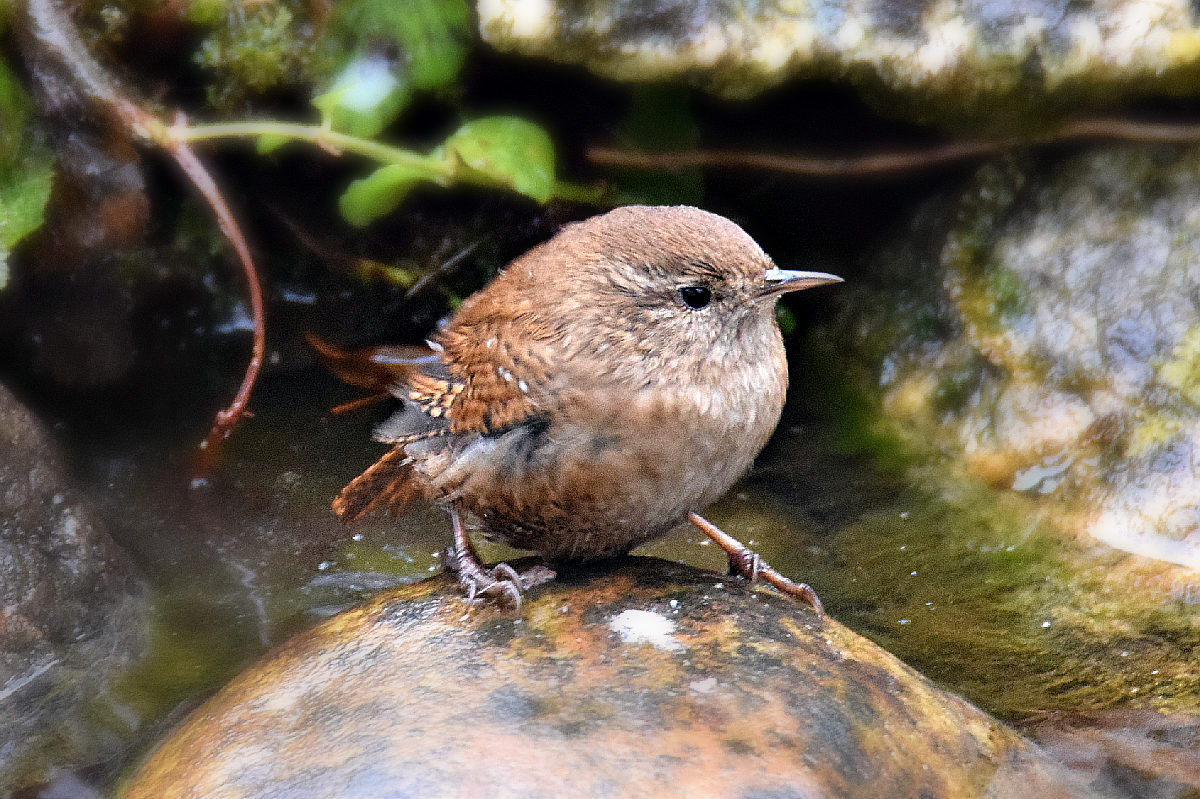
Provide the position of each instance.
(963, 584)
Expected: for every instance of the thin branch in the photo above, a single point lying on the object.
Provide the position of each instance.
(1126, 130)
(810, 166)
(228, 418)
(443, 269)
(896, 161)
(434, 167)
(148, 126)
(439, 171)
(48, 23)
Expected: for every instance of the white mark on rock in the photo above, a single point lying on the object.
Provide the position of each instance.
(645, 627)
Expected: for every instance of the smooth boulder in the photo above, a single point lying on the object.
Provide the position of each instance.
(637, 678)
(72, 615)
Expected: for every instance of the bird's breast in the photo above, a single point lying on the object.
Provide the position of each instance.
(606, 468)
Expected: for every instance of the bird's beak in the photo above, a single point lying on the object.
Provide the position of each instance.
(779, 281)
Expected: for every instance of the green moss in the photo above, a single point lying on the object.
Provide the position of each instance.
(1012, 615)
(195, 646)
(1154, 427)
(1182, 370)
(256, 49)
(1007, 293)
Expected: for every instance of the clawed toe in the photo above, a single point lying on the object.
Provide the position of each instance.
(502, 583)
(502, 571)
(745, 562)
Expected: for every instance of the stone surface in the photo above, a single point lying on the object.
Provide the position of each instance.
(1130, 752)
(71, 612)
(1033, 53)
(1047, 342)
(644, 678)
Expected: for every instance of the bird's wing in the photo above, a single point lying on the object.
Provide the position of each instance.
(479, 379)
(498, 378)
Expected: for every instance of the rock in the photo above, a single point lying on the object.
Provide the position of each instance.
(639, 678)
(1048, 343)
(1131, 752)
(71, 614)
(937, 60)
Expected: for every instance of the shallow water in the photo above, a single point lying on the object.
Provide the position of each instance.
(957, 583)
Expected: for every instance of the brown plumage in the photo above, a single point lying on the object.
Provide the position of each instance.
(607, 385)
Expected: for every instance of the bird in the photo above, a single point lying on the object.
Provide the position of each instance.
(604, 387)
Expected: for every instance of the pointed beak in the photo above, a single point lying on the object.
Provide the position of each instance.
(779, 281)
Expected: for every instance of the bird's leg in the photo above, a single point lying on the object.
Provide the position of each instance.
(502, 582)
(745, 562)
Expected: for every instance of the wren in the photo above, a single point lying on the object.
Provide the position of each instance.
(605, 386)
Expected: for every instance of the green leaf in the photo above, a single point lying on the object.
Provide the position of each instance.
(380, 192)
(436, 35)
(364, 99)
(508, 151)
(432, 36)
(14, 111)
(270, 142)
(24, 190)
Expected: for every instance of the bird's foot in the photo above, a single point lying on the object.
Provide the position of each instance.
(745, 562)
(501, 583)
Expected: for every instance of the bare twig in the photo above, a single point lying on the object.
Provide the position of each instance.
(896, 161)
(443, 269)
(228, 418)
(50, 26)
(143, 123)
(810, 166)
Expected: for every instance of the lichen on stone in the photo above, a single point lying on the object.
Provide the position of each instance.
(934, 59)
(1068, 367)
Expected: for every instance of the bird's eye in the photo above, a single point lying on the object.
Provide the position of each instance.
(695, 296)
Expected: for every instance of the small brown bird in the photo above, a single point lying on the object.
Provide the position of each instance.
(607, 385)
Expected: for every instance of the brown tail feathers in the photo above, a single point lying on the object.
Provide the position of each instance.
(388, 482)
(377, 369)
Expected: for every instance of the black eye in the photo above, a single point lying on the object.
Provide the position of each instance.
(695, 296)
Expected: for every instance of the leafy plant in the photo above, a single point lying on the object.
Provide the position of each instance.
(499, 151)
(390, 51)
(26, 169)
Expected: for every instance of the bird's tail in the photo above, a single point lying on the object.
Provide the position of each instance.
(389, 482)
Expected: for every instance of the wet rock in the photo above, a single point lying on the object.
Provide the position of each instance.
(644, 678)
(71, 613)
(1128, 752)
(1047, 343)
(976, 54)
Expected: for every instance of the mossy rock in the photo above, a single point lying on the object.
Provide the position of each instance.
(1011, 64)
(638, 678)
(1062, 361)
